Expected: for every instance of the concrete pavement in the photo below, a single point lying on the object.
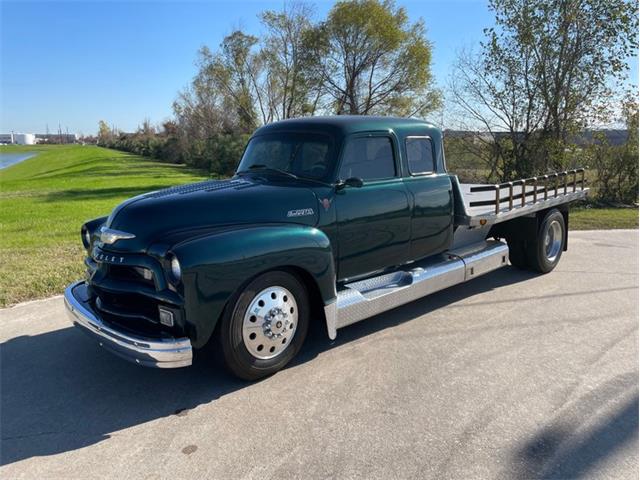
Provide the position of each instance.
(513, 375)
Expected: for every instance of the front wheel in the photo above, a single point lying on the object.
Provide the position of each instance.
(265, 325)
(544, 254)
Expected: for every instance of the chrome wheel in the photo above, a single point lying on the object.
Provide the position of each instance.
(553, 240)
(270, 322)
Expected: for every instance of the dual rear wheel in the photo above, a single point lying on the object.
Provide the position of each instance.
(543, 253)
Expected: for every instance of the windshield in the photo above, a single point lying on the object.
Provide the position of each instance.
(302, 154)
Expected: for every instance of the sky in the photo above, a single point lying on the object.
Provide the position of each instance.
(75, 63)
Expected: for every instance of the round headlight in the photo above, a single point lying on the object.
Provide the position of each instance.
(86, 237)
(176, 271)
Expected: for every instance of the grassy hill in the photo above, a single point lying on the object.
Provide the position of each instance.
(44, 201)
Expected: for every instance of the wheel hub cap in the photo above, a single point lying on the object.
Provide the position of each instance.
(553, 240)
(270, 322)
(275, 323)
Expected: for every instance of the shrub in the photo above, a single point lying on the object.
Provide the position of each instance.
(219, 155)
(616, 172)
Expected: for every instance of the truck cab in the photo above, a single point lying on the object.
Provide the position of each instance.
(389, 199)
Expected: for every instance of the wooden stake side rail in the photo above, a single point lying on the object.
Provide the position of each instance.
(540, 188)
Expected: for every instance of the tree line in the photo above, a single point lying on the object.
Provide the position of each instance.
(545, 71)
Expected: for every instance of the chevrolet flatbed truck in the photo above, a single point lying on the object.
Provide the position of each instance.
(330, 219)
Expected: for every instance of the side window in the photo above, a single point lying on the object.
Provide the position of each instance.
(368, 158)
(420, 155)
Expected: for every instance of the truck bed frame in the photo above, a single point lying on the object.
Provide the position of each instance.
(479, 205)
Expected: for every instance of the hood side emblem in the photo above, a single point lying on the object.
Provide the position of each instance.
(109, 236)
(302, 212)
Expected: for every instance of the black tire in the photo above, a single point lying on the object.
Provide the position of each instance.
(518, 254)
(544, 253)
(238, 350)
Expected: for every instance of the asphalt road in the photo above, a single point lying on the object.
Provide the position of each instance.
(513, 375)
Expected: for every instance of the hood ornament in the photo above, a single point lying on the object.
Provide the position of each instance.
(109, 236)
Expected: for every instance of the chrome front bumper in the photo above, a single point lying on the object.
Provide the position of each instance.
(150, 352)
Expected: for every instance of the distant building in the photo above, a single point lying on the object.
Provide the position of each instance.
(57, 138)
(24, 138)
(33, 138)
(18, 138)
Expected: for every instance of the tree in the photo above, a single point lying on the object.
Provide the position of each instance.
(237, 72)
(501, 110)
(371, 60)
(104, 132)
(617, 166)
(547, 69)
(576, 48)
(292, 90)
(199, 109)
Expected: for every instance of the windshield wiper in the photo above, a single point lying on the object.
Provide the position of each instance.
(260, 166)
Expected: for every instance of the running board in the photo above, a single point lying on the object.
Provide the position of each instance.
(366, 298)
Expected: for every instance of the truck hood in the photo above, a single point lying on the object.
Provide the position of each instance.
(157, 217)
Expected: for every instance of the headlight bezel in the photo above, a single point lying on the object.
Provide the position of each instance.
(85, 235)
(174, 269)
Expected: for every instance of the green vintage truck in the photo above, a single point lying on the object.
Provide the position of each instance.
(327, 219)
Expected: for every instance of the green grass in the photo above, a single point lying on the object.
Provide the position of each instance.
(603, 218)
(45, 200)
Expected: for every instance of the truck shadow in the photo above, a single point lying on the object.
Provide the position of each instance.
(60, 392)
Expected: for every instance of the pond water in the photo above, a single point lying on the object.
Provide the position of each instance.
(11, 158)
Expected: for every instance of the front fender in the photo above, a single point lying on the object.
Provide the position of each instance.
(215, 266)
(92, 226)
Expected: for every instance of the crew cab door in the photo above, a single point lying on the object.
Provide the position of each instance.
(374, 219)
(431, 197)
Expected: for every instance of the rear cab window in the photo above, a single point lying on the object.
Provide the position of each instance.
(420, 155)
(368, 158)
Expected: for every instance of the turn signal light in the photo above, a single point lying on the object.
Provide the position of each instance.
(166, 316)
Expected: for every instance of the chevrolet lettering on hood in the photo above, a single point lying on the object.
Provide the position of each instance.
(103, 257)
(302, 212)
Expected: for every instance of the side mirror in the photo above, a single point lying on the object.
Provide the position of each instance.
(349, 182)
